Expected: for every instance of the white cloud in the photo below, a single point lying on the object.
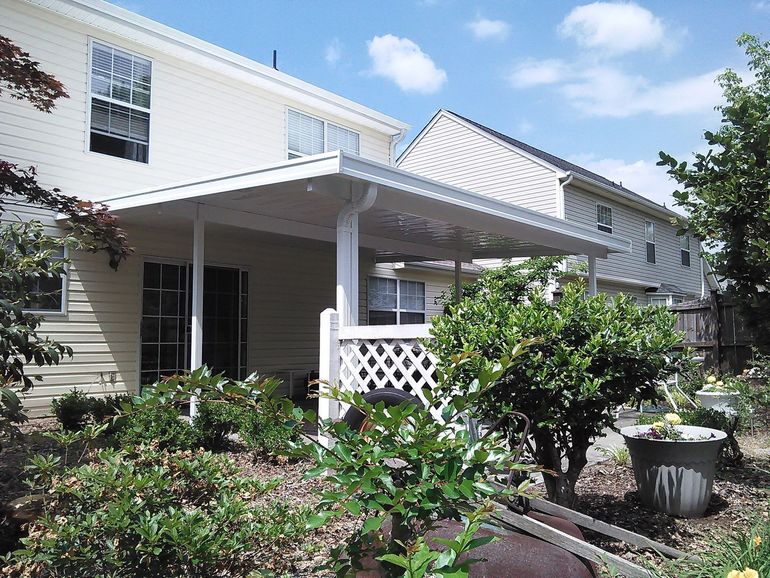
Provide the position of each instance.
(641, 176)
(333, 52)
(533, 72)
(608, 91)
(603, 90)
(617, 28)
(761, 5)
(485, 29)
(403, 62)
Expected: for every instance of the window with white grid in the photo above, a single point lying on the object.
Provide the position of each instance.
(604, 218)
(395, 302)
(649, 238)
(684, 249)
(308, 135)
(120, 103)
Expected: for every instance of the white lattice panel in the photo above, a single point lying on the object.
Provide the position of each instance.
(402, 363)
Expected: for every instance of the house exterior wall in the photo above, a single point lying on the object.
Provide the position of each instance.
(201, 122)
(452, 153)
(628, 223)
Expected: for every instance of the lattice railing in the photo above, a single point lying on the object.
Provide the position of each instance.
(363, 358)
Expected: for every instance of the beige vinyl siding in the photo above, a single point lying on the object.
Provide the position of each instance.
(201, 123)
(436, 284)
(289, 286)
(628, 223)
(455, 154)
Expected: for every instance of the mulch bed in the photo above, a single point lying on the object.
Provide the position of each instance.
(741, 494)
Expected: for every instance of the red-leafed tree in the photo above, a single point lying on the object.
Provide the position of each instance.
(27, 253)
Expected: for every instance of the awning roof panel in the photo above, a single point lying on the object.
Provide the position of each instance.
(412, 218)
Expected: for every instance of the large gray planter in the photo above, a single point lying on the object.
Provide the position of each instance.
(675, 477)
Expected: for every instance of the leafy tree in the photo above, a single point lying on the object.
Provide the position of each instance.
(726, 191)
(27, 253)
(588, 356)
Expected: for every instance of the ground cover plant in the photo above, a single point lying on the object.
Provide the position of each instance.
(145, 511)
(591, 356)
(407, 467)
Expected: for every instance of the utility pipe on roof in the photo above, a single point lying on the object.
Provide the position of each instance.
(347, 253)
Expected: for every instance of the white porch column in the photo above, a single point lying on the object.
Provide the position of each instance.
(347, 254)
(328, 366)
(196, 337)
(592, 288)
(458, 281)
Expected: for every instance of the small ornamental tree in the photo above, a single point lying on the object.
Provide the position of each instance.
(726, 191)
(590, 356)
(27, 252)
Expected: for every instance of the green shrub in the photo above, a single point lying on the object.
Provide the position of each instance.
(161, 426)
(72, 409)
(591, 355)
(264, 434)
(215, 421)
(156, 513)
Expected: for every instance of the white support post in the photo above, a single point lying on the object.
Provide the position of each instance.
(592, 287)
(196, 336)
(347, 253)
(458, 281)
(347, 268)
(328, 366)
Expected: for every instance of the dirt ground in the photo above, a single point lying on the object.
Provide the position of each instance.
(606, 491)
(741, 494)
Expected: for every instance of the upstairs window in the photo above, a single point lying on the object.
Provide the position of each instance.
(307, 135)
(120, 103)
(604, 218)
(395, 302)
(649, 237)
(684, 249)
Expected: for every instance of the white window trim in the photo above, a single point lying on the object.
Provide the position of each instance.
(325, 122)
(669, 297)
(688, 251)
(398, 310)
(599, 225)
(653, 243)
(62, 311)
(89, 95)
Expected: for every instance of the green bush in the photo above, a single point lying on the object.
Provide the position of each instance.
(215, 421)
(151, 512)
(72, 409)
(591, 355)
(161, 426)
(264, 434)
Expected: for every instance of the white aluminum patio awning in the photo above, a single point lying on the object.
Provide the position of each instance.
(413, 218)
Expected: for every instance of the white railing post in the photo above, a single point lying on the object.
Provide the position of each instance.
(328, 366)
(592, 287)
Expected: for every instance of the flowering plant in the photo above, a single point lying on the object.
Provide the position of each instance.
(715, 385)
(745, 573)
(667, 429)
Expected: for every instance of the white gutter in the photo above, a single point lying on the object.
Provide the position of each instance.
(394, 140)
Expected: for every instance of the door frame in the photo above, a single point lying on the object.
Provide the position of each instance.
(188, 263)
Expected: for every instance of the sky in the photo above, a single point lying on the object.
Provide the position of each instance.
(606, 85)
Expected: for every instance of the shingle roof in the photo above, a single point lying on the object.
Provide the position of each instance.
(556, 161)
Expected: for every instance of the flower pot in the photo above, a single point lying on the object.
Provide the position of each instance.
(675, 476)
(724, 401)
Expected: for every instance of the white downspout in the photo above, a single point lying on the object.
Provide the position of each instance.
(561, 213)
(347, 254)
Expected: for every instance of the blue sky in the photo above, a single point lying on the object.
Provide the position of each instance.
(604, 84)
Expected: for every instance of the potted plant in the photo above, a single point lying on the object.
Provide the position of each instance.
(719, 395)
(674, 464)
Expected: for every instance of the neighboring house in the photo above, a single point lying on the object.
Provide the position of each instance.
(661, 269)
(246, 194)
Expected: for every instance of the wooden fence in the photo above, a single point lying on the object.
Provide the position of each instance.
(713, 327)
